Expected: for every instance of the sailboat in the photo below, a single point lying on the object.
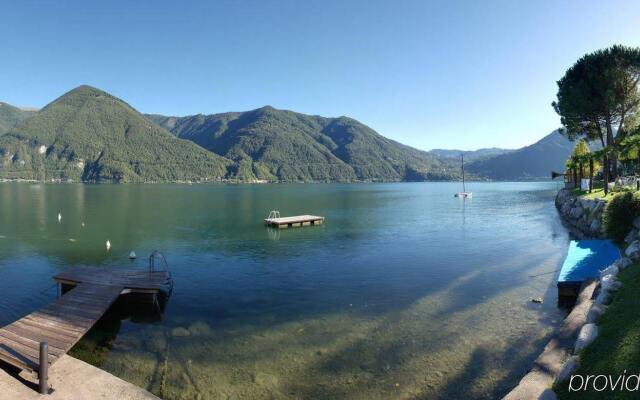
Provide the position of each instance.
(464, 194)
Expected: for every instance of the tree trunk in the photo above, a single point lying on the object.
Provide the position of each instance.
(581, 175)
(590, 175)
(638, 171)
(611, 165)
(605, 173)
(575, 178)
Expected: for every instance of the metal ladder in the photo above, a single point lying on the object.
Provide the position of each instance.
(158, 263)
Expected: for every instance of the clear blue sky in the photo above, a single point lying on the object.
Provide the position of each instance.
(463, 74)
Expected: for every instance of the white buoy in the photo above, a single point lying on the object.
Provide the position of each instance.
(59, 217)
(108, 245)
(82, 224)
(132, 255)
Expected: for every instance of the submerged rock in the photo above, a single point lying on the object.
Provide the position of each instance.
(265, 379)
(200, 328)
(156, 342)
(180, 332)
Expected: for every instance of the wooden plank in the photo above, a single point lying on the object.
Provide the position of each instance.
(81, 300)
(80, 320)
(20, 349)
(28, 339)
(77, 308)
(52, 331)
(63, 322)
(17, 359)
(52, 322)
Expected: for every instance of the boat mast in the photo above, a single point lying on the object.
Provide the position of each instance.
(464, 190)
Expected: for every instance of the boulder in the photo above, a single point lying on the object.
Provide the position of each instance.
(599, 206)
(595, 312)
(587, 334)
(623, 263)
(585, 204)
(631, 236)
(636, 223)
(604, 297)
(576, 212)
(610, 283)
(595, 226)
(633, 251)
(568, 368)
(610, 270)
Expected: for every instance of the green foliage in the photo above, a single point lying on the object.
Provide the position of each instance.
(619, 214)
(286, 146)
(598, 91)
(581, 154)
(90, 135)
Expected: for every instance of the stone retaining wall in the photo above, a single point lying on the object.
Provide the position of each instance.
(583, 216)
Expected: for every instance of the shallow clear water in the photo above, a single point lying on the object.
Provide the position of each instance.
(404, 292)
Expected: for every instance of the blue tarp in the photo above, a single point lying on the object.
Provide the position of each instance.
(586, 258)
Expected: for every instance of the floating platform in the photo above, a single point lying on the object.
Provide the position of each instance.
(585, 259)
(62, 323)
(295, 221)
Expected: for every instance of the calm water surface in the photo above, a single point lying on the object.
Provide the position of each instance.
(405, 292)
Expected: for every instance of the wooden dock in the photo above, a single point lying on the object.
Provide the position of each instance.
(295, 221)
(62, 323)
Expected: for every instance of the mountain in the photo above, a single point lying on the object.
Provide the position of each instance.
(10, 116)
(89, 135)
(469, 155)
(281, 145)
(531, 162)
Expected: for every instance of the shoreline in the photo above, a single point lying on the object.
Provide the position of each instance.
(561, 356)
(256, 182)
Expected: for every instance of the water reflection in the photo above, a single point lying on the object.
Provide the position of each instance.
(404, 292)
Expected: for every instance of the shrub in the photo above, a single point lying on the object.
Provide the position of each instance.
(619, 214)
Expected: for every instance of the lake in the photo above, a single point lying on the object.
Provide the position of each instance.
(404, 292)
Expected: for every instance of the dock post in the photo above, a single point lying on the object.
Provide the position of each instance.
(43, 371)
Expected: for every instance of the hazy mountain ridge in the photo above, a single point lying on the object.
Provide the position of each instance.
(10, 116)
(531, 162)
(469, 155)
